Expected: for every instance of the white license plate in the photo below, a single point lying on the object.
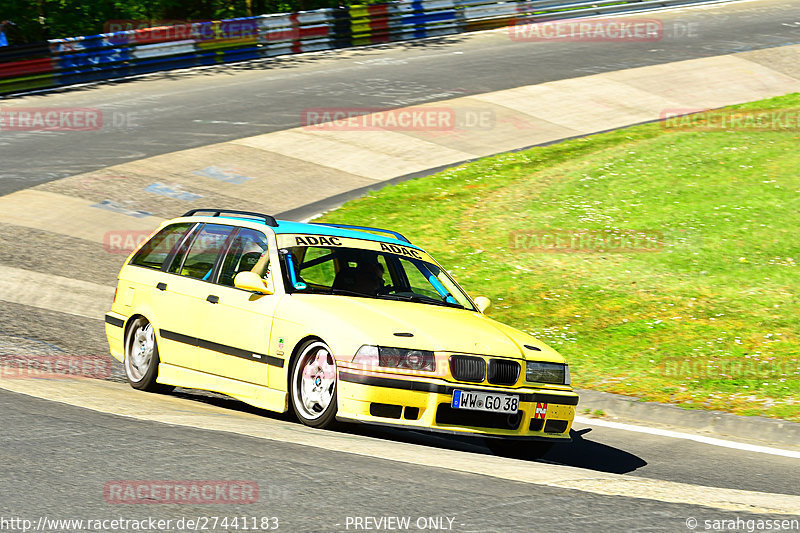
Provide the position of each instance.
(485, 401)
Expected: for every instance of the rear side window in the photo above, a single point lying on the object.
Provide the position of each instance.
(247, 251)
(199, 261)
(157, 249)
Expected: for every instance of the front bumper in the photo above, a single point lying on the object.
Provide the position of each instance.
(389, 399)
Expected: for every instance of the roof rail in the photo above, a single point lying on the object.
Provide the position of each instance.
(269, 220)
(394, 234)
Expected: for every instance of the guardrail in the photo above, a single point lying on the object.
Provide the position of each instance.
(75, 60)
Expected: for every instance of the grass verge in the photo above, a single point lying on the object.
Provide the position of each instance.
(703, 311)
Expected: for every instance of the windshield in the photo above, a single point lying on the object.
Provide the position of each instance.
(369, 274)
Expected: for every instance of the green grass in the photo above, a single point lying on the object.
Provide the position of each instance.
(708, 320)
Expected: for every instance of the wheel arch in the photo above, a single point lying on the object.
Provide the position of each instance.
(128, 323)
(295, 354)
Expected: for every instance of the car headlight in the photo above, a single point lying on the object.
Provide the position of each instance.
(395, 358)
(555, 373)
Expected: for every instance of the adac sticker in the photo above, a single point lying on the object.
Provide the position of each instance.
(541, 410)
(400, 250)
(317, 240)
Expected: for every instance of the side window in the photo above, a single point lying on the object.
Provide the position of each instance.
(247, 252)
(180, 253)
(157, 249)
(199, 261)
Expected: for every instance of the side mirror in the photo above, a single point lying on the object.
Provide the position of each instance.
(250, 281)
(483, 303)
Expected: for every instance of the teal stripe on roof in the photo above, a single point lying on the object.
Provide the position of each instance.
(285, 226)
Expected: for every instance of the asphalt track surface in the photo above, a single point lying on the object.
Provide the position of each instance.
(308, 489)
(177, 110)
(56, 458)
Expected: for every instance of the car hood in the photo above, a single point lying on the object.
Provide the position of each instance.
(357, 321)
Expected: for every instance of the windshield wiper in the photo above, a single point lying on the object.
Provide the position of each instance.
(420, 298)
(331, 290)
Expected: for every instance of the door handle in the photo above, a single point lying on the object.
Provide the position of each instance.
(161, 286)
(213, 299)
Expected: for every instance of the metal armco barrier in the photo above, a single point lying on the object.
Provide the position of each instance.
(25, 67)
(485, 14)
(370, 24)
(414, 20)
(62, 62)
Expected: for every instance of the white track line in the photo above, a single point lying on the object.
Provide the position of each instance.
(688, 436)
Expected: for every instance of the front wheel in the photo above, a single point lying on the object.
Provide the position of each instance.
(518, 449)
(313, 385)
(141, 357)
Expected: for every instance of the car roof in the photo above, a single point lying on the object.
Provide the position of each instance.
(286, 226)
(305, 228)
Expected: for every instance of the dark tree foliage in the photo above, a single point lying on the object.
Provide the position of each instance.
(38, 20)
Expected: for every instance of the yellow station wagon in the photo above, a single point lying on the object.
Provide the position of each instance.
(337, 323)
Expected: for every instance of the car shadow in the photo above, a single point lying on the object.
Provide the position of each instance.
(586, 453)
(581, 452)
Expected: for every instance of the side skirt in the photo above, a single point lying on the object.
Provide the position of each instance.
(255, 395)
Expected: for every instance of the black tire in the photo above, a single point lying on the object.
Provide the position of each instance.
(518, 449)
(312, 385)
(141, 357)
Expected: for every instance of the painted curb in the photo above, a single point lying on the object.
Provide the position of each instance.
(718, 423)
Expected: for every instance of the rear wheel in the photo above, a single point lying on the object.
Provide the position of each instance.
(141, 357)
(313, 385)
(518, 449)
